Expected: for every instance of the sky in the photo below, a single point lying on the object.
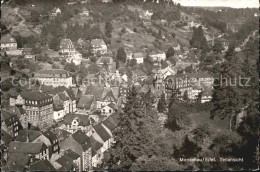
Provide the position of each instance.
(222, 3)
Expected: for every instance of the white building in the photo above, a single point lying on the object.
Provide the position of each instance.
(158, 56)
(67, 48)
(139, 57)
(58, 113)
(98, 46)
(54, 77)
(8, 43)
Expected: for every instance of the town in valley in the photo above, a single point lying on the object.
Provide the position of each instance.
(124, 85)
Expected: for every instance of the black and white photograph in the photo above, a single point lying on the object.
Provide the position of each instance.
(129, 85)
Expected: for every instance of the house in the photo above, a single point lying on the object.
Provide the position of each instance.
(176, 46)
(200, 78)
(138, 75)
(206, 96)
(39, 108)
(42, 165)
(58, 113)
(10, 123)
(36, 151)
(102, 135)
(167, 72)
(105, 61)
(77, 122)
(53, 138)
(54, 77)
(139, 57)
(98, 46)
(55, 12)
(63, 96)
(108, 109)
(178, 83)
(87, 103)
(96, 152)
(76, 59)
(79, 143)
(67, 48)
(17, 162)
(84, 12)
(70, 161)
(49, 138)
(6, 138)
(157, 56)
(8, 43)
(103, 95)
(28, 54)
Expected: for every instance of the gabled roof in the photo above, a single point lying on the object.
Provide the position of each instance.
(63, 97)
(25, 147)
(31, 134)
(35, 95)
(16, 162)
(7, 39)
(83, 120)
(6, 138)
(112, 106)
(65, 43)
(138, 55)
(105, 59)
(86, 101)
(95, 145)
(97, 42)
(8, 117)
(42, 165)
(199, 75)
(110, 125)
(81, 137)
(101, 131)
(97, 91)
(71, 154)
(66, 162)
(139, 72)
(50, 135)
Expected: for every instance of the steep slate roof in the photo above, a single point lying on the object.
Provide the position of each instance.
(110, 125)
(6, 138)
(65, 43)
(139, 72)
(199, 75)
(112, 106)
(50, 135)
(8, 117)
(63, 97)
(35, 95)
(81, 137)
(83, 120)
(86, 101)
(95, 145)
(22, 136)
(103, 59)
(101, 131)
(7, 39)
(16, 162)
(66, 162)
(138, 55)
(25, 147)
(71, 154)
(42, 165)
(97, 42)
(97, 91)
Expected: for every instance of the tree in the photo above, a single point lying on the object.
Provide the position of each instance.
(217, 48)
(121, 55)
(131, 135)
(133, 62)
(198, 39)
(54, 44)
(70, 67)
(6, 85)
(185, 96)
(170, 52)
(161, 104)
(188, 149)
(200, 133)
(108, 29)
